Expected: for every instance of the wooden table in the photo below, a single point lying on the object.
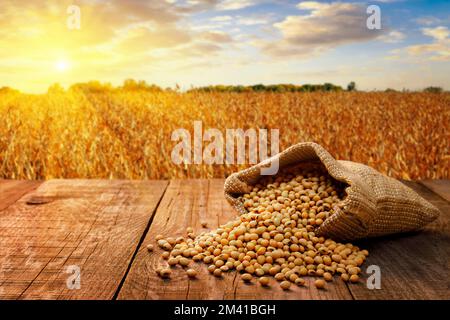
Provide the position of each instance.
(102, 227)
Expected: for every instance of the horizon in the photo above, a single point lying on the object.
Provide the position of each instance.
(191, 87)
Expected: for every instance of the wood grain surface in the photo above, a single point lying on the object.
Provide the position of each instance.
(13, 190)
(93, 225)
(440, 187)
(103, 227)
(189, 203)
(413, 265)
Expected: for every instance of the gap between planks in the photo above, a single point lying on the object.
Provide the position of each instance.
(142, 283)
(189, 203)
(141, 240)
(204, 204)
(96, 224)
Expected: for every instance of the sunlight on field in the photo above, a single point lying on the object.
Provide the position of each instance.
(126, 134)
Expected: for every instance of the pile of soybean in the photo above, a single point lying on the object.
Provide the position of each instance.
(275, 238)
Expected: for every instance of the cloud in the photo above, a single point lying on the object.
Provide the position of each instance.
(323, 27)
(202, 49)
(438, 33)
(235, 4)
(192, 6)
(108, 29)
(392, 37)
(142, 38)
(221, 18)
(428, 20)
(216, 36)
(45, 24)
(253, 20)
(244, 20)
(189, 6)
(438, 50)
(117, 39)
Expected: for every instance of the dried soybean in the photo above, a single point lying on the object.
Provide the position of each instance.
(275, 237)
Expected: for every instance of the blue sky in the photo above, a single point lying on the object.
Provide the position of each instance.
(373, 63)
(203, 42)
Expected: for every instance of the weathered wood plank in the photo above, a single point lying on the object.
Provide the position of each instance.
(188, 203)
(174, 215)
(413, 265)
(440, 187)
(13, 190)
(95, 225)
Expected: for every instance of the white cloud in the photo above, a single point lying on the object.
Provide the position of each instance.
(428, 21)
(327, 25)
(438, 50)
(221, 18)
(247, 20)
(216, 36)
(392, 37)
(253, 21)
(235, 4)
(438, 33)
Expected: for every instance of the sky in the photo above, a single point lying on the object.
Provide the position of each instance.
(208, 42)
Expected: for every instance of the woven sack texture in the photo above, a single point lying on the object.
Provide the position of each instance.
(375, 204)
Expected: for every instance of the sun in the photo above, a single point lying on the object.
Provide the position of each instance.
(62, 65)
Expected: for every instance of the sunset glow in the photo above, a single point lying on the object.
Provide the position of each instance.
(223, 42)
(62, 65)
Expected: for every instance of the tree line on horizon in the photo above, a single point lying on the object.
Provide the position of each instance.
(280, 88)
(141, 85)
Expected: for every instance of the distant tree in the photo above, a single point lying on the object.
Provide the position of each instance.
(8, 90)
(93, 86)
(390, 90)
(55, 88)
(130, 84)
(240, 88)
(306, 88)
(351, 86)
(433, 89)
(258, 87)
(277, 88)
(331, 87)
(141, 85)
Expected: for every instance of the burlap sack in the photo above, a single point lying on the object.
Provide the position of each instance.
(375, 204)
